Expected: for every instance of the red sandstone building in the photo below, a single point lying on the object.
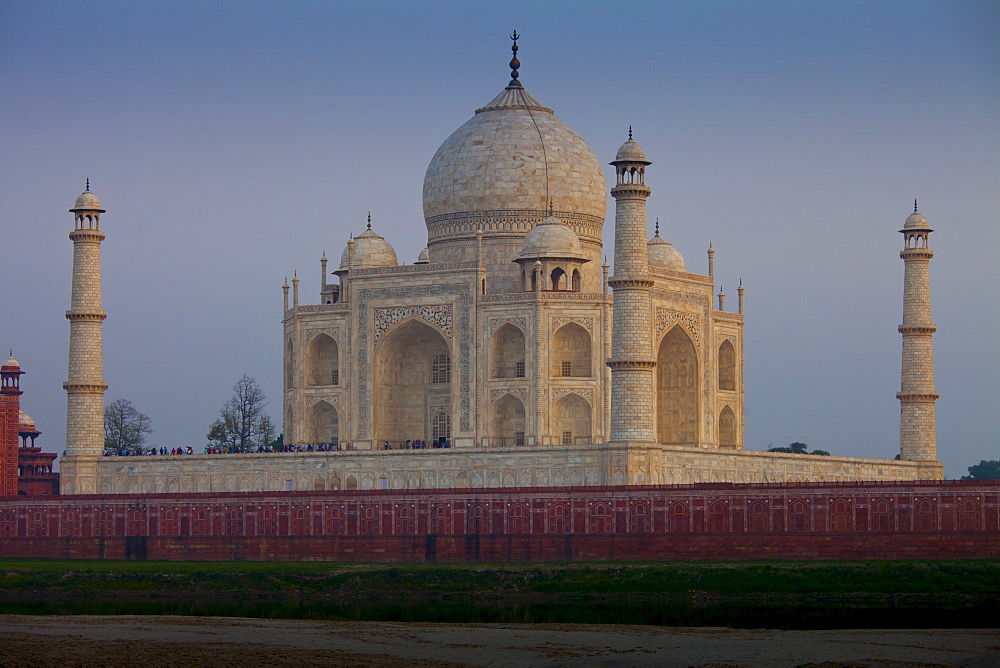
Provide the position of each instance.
(24, 469)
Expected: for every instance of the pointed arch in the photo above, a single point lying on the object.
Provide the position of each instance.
(727, 366)
(572, 418)
(727, 428)
(412, 383)
(677, 389)
(508, 422)
(571, 351)
(324, 424)
(322, 361)
(507, 352)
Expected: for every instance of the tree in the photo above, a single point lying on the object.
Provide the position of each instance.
(986, 469)
(242, 422)
(799, 449)
(125, 428)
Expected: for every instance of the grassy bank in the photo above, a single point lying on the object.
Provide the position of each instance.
(975, 578)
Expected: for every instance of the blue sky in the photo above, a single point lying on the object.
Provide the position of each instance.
(232, 142)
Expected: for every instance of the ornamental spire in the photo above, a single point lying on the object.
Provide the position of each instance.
(514, 62)
(88, 186)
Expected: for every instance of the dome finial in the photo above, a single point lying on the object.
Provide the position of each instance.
(914, 205)
(369, 220)
(552, 208)
(88, 185)
(657, 226)
(630, 132)
(514, 62)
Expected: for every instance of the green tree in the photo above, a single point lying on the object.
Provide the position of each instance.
(798, 448)
(242, 422)
(125, 427)
(986, 469)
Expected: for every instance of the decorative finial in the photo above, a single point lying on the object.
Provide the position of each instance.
(369, 220)
(514, 62)
(657, 227)
(741, 281)
(324, 254)
(295, 274)
(552, 208)
(88, 184)
(709, 245)
(630, 132)
(914, 205)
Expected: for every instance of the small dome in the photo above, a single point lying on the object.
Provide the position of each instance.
(11, 362)
(25, 420)
(424, 257)
(87, 200)
(916, 220)
(630, 151)
(551, 238)
(370, 250)
(663, 255)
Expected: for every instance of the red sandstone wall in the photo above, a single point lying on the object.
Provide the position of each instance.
(951, 519)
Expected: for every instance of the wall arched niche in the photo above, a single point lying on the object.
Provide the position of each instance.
(289, 365)
(507, 357)
(411, 385)
(727, 428)
(324, 424)
(570, 352)
(508, 422)
(322, 363)
(677, 389)
(727, 366)
(571, 420)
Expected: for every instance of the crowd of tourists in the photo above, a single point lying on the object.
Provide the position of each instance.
(416, 444)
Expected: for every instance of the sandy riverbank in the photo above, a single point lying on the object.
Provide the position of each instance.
(225, 641)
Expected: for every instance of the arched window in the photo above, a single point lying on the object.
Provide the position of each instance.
(441, 425)
(517, 519)
(322, 364)
(508, 422)
(798, 516)
(640, 519)
(727, 366)
(507, 352)
(300, 522)
(727, 427)
(925, 515)
(600, 519)
(571, 420)
(969, 515)
(840, 516)
(558, 278)
(757, 517)
(679, 518)
(324, 425)
(267, 523)
(571, 351)
(441, 368)
(441, 520)
(576, 280)
(200, 525)
(882, 515)
(168, 523)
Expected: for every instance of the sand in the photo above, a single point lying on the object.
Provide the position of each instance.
(225, 641)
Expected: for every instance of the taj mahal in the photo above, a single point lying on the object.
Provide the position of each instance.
(509, 347)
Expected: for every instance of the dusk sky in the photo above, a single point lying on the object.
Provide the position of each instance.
(233, 142)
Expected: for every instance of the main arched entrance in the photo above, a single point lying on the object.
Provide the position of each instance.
(412, 385)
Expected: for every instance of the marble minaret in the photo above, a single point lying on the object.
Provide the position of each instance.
(632, 362)
(85, 386)
(917, 428)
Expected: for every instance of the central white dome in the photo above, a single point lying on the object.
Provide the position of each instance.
(512, 159)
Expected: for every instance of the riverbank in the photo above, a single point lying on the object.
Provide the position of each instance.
(222, 642)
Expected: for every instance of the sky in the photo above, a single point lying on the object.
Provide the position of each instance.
(233, 142)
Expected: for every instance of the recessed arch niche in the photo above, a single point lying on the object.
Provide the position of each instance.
(324, 424)
(571, 420)
(508, 421)
(677, 389)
